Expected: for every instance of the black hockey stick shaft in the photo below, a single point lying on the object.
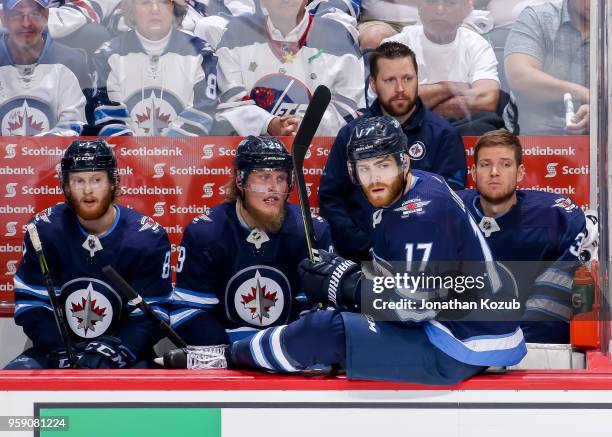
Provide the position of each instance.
(128, 291)
(58, 312)
(310, 123)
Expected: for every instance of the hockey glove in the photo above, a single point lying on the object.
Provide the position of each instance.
(331, 280)
(58, 359)
(105, 352)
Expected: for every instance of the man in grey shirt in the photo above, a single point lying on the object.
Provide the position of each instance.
(546, 57)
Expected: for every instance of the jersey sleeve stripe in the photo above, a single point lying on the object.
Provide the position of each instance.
(177, 318)
(257, 352)
(22, 306)
(555, 278)
(277, 350)
(549, 306)
(189, 296)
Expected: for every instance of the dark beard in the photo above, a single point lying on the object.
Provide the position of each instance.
(102, 208)
(271, 223)
(388, 108)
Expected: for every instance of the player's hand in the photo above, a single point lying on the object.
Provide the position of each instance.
(580, 121)
(58, 359)
(325, 280)
(284, 126)
(105, 352)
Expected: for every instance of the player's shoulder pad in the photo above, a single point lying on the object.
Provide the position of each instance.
(141, 223)
(209, 226)
(106, 48)
(319, 224)
(331, 37)
(544, 202)
(467, 195)
(50, 217)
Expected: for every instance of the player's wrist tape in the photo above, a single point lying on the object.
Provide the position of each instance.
(196, 357)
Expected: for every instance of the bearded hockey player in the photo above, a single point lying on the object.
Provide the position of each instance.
(79, 237)
(271, 61)
(538, 235)
(155, 80)
(237, 266)
(41, 81)
(418, 221)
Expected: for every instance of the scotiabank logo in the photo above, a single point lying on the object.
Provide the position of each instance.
(10, 151)
(11, 229)
(308, 153)
(158, 169)
(309, 188)
(207, 189)
(207, 151)
(551, 169)
(11, 267)
(159, 209)
(11, 190)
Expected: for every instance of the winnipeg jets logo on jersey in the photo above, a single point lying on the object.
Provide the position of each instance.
(413, 206)
(202, 218)
(25, 117)
(148, 223)
(92, 307)
(152, 110)
(565, 203)
(417, 151)
(281, 94)
(259, 296)
(44, 215)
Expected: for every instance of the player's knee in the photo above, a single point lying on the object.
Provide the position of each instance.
(316, 338)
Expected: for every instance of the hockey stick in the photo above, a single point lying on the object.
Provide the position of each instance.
(134, 298)
(58, 313)
(314, 113)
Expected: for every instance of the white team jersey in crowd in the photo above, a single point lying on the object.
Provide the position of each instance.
(467, 59)
(45, 98)
(173, 92)
(263, 74)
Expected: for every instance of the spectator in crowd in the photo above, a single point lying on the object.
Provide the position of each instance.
(381, 19)
(41, 81)
(237, 265)
(433, 145)
(155, 80)
(546, 57)
(458, 77)
(543, 230)
(271, 61)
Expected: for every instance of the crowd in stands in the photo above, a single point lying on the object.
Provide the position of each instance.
(249, 67)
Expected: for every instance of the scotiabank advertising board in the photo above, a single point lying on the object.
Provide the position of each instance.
(175, 180)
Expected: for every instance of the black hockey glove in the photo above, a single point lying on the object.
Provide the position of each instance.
(58, 359)
(331, 280)
(105, 352)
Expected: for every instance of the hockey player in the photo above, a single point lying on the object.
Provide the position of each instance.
(434, 146)
(41, 81)
(543, 230)
(419, 221)
(271, 61)
(155, 80)
(79, 237)
(237, 266)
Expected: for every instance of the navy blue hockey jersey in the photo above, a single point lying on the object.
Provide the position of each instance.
(232, 281)
(429, 224)
(434, 146)
(539, 240)
(136, 246)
